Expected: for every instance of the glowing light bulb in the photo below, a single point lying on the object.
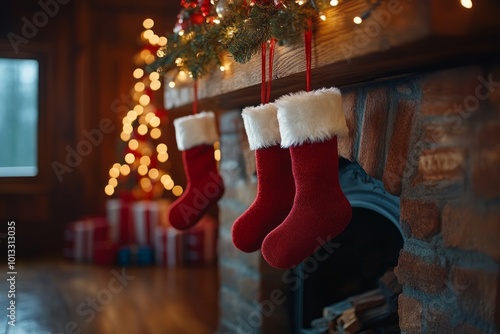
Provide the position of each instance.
(139, 86)
(147, 33)
(148, 23)
(138, 73)
(146, 184)
(168, 184)
(114, 172)
(161, 148)
(153, 173)
(155, 85)
(133, 144)
(145, 160)
(162, 41)
(144, 100)
(466, 3)
(222, 68)
(181, 33)
(127, 128)
(129, 158)
(139, 109)
(153, 40)
(132, 115)
(217, 155)
(165, 178)
(357, 20)
(109, 190)
(125, 170)
(142, 170)
(154, 76)
(154, 121)
(113, 181)
(171, 84)
(334, 3)
(149, 59)
(155, 133)
(162, 157)
(322, 16)
(177, 190)
(117, 165)
(124, 136)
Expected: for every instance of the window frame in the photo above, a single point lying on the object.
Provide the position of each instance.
(39, 183)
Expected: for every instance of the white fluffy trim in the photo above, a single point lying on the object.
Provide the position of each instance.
(311, 116)
(194, 130)
(261, 125)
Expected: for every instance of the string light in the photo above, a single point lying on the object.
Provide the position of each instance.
(145, 160)
(132, 115)
(142, 170)
(155, 133)
(139, 86)
(153, 173)
(113, 182)
(109, 190)
(124, 136)
(161, 148)
(322, 16)
(334, 3)
(125, 170)
(171, 84)
(153, 40)
(357, 20)
(154, 76)
(162, 41)
(144, 100)
(114, 172)
(148, 23)
(162, 157)
(138, 73)
(154, 121)
(129, 158)
(139, 109)
(466, 3)
(141, 113)
(177, 190)
(133, 144)
(155, 85)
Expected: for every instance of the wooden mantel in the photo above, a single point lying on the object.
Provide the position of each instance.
(402, 36)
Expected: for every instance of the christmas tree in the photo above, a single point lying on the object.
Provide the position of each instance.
(142, 172)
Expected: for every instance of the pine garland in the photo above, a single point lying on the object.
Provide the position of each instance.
(240, 33)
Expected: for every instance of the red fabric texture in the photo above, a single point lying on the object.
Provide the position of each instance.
(204, 187)
(320, 210)
(273, 202)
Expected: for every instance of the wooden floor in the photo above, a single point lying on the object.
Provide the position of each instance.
(63, 297)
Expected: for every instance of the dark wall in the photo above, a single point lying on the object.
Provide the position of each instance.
(85, 50)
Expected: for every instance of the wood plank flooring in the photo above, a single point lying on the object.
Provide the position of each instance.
(55, 296)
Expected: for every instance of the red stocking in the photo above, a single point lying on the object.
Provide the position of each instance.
(276, 188)
(309, 124)
(195, 137)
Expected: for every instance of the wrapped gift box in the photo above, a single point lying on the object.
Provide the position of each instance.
(201, 241)
(118, 212)
(83, 236)
(169, 246)
(146, 216)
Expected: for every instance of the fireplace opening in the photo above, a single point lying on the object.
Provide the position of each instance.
(359, 268)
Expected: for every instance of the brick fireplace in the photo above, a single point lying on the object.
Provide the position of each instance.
(433, 140)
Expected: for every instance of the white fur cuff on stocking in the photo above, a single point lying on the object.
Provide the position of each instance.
(195, 130)
(311, 116)
(261, 126)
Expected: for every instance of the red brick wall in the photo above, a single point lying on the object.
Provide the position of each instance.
(434, 140)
